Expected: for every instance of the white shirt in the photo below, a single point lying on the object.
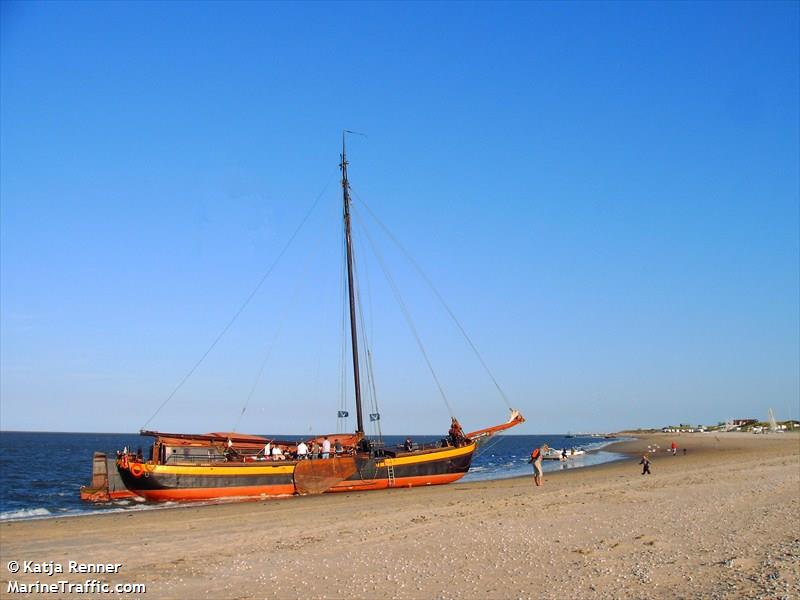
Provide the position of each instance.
(266, 450)
(326, 446)
(276, 451)
(302, 449)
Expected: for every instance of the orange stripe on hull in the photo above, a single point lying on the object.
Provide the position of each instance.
(121, 494)
(103, 495)
(382, 484)
(218, 492)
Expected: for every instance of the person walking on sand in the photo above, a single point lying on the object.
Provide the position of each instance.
(674, 447)
(536, 460)
(645, 462)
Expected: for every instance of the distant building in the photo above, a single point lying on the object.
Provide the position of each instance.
(683, 428)
(744, 422)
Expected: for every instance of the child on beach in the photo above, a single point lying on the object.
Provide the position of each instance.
(645, 462)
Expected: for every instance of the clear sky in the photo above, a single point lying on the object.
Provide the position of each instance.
(606, 194)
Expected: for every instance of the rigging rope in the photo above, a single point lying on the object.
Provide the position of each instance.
(493, 441)
(341, 422)
(293, 301)
(241, 308)
(372, 393)
(398, 297)
(427, 280)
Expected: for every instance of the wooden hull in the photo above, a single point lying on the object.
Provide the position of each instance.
(400, 482)
(160, 483)
(442, 466)
(106, 483)
(101, 494)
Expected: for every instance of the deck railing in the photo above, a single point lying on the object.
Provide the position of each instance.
(379, 448)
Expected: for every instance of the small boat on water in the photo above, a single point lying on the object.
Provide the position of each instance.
(182, 466)
(564, 454)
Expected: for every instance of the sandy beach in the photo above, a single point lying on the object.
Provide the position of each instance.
(718, 522)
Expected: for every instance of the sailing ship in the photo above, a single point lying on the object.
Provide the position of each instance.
(228, 464)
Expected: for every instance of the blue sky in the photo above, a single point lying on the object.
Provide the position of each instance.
(606, 194)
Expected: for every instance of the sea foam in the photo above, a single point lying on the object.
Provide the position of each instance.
(25, 513)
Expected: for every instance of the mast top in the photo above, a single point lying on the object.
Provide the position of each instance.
(343, 164)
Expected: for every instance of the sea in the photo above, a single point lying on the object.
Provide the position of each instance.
(41, 473)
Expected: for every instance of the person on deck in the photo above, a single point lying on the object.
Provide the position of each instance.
(536, 460)
(315, 449)
(408, 445)
(456, 433)
(302, 451)
(231, 454)
(277, 453)
(338, 447)
(326, 447)
(645, 462)
(267, 450)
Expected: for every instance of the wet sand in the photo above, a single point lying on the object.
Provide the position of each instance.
(718, 522)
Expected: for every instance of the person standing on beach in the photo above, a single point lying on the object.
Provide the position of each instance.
(674, 447)
(645, 462)
(536, 460)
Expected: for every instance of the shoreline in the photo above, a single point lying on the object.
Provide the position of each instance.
(715, 522)
(627, 448)
(113, 507)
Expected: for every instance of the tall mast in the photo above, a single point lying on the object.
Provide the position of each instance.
(350, 286)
